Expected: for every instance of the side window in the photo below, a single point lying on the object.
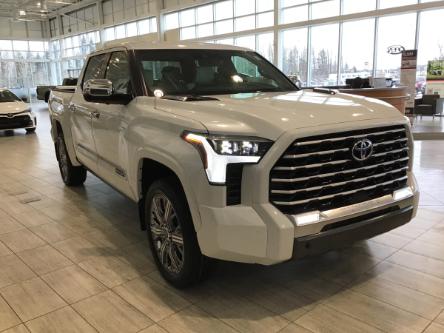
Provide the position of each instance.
(96, 68)
(118, 73)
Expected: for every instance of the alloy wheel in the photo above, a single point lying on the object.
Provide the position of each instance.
(63, 159)
(166, 234)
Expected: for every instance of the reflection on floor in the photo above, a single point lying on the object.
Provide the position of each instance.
(75, 259)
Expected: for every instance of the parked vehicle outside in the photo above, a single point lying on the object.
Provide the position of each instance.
(228, 159)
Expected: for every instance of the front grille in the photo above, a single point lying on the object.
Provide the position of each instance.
(15, 122)
(319, 172)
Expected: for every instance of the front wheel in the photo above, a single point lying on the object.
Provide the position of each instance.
(171, 234)
(30, 130)
(71, 175)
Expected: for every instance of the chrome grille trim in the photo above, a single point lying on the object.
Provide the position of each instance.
(304, 143)
(339, 194)
(389, 142)
(294, 180)
(317, 165)
(391, 152)
(319, 173)
(357, 180)
(326, 152)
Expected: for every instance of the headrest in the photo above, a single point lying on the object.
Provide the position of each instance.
(205, 74)
(171, 70)
(148, 77)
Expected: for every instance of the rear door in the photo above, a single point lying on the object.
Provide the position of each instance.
(82, 112)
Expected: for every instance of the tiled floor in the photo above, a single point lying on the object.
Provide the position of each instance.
(428, 124)
(428, 128)
(74, 260)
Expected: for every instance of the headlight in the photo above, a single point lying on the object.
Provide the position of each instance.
(217, 152)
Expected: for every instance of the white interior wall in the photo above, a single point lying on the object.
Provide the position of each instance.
(182, 3)
(80, 20)
(118, 11)
(115, 12)
(21, 30)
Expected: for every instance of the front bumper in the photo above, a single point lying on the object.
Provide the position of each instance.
(344, 234)
(257, 232)
(16, 121)
(264, 235)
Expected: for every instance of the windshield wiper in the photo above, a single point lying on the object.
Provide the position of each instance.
(189, 98)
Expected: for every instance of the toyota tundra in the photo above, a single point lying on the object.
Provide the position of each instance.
(228, 159)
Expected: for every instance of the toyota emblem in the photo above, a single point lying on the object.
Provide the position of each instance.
(362, 150)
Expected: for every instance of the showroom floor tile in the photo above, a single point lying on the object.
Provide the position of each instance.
(75, 259)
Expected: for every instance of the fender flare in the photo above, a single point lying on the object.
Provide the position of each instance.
(67, 135)
(171, 163)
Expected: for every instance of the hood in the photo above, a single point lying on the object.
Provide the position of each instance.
(13, 107)
(269, 115)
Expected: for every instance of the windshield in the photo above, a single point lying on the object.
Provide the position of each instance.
(209, 72)
(7, 96)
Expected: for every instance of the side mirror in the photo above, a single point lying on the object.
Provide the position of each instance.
(102, 91)
(97, 89)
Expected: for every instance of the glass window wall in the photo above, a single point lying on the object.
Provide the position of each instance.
(357, 49)
(353, 6)
(222, 17)
(294, 61)
(430, 46)
(23, 66)
(324, 55)
(394, 30)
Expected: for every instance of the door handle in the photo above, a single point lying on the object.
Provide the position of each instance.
(95, 114)
(81, 109)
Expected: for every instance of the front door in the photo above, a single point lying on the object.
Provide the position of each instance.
(109, 126)
(82, 112)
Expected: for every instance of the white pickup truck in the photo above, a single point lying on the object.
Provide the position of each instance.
(228, 159)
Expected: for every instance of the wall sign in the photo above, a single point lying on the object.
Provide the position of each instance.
(408, 74)
(395, 49)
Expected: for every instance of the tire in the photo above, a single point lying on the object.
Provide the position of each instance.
(182, 264)
(71, 175)
(30, 130)
(9, 132)
(47, 97)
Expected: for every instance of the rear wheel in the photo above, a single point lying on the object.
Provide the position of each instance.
(171, 234)
(71, 175)
(30, 130)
